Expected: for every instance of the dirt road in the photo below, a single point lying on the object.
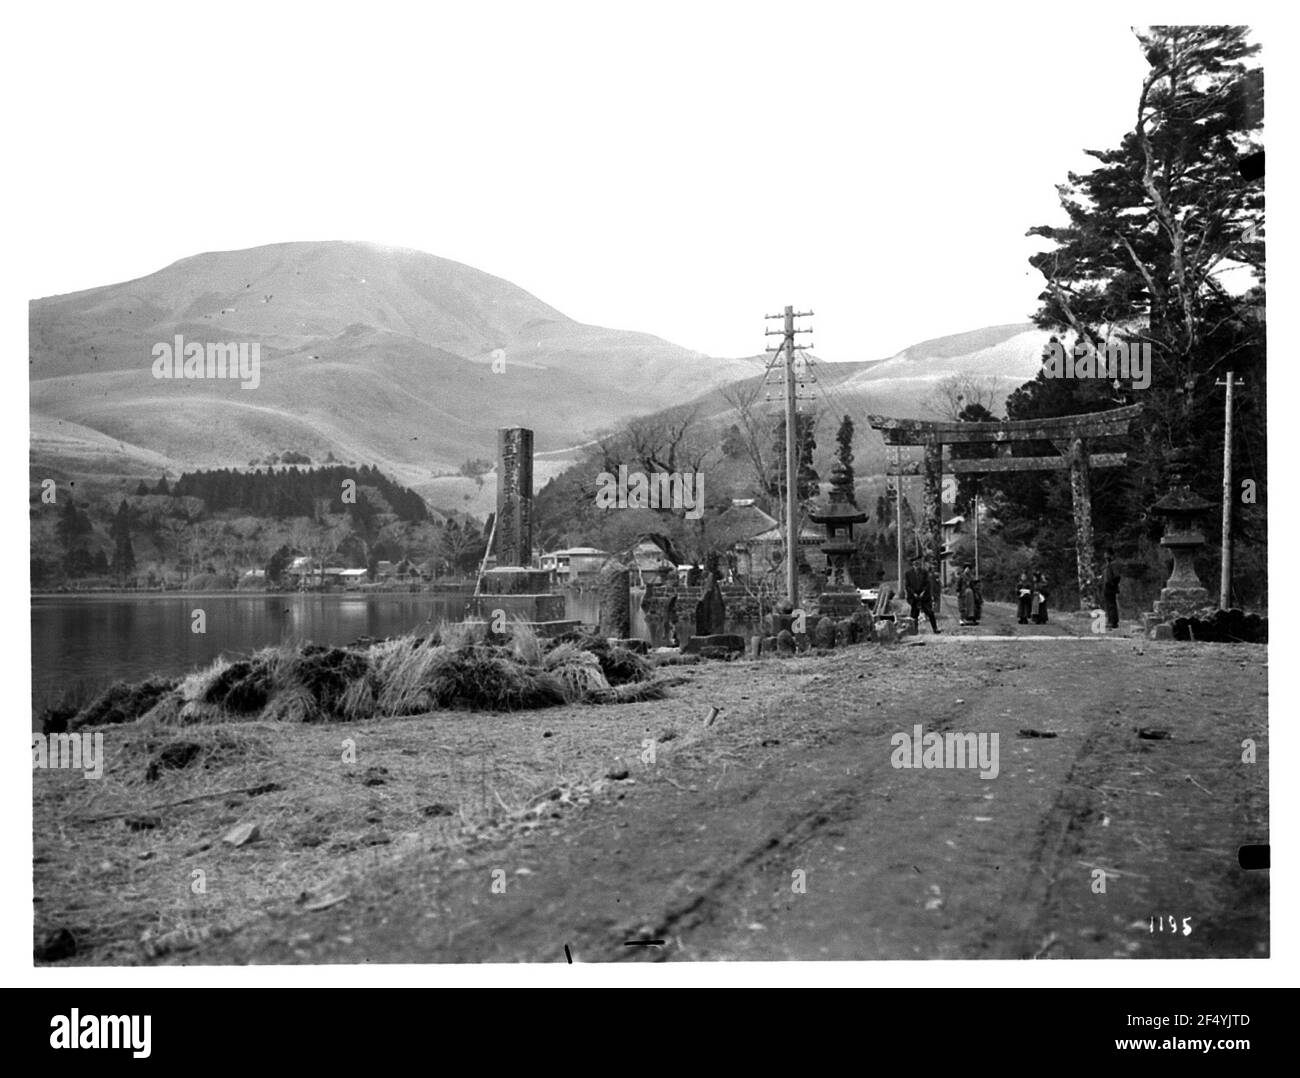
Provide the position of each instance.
(784, 830)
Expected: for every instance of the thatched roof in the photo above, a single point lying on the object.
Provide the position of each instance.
(741, 522)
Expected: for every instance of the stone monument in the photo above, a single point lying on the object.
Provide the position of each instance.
(514, 523)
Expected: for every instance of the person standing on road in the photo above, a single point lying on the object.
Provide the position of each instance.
(1024, 596)
(965, 597)
(920, 585)
(1040, 599)
(1110, 579)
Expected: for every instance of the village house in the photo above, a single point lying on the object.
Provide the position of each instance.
(352, 579)
(756, 540)
(574, 564)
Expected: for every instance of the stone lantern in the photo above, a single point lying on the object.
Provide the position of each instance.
(841, 595)
(1180, 509)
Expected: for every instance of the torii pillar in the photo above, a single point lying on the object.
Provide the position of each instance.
(1076, 452)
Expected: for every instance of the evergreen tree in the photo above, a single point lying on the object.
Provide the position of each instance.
(1163, 247)
(280, 561)
(807, 481)
(844, 453)
(123, 552)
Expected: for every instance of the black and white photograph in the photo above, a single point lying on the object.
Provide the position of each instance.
(692, 485)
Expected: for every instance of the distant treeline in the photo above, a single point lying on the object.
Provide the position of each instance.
(293, 492)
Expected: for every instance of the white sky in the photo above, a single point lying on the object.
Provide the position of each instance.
(661, 168)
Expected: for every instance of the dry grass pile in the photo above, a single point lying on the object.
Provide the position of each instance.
(577, 672)
(489, 678)
(459, 666)
(619, 665)
(120, 702)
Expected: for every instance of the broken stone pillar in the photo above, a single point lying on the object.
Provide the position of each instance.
(514, 523)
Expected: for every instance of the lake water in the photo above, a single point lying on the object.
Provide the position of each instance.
(90, 641)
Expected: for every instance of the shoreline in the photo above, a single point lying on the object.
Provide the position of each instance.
(227, 593)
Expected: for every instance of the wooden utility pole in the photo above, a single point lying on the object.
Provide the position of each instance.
(898, 515)
(791, 450)
(1225, 566)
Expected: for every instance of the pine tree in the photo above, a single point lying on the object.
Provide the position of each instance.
(1163, 247)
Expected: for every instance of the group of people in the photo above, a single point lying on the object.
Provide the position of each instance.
(1031, 594)
(1031, 599)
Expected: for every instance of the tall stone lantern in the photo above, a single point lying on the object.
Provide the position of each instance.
(841, 595)
(1180, 510)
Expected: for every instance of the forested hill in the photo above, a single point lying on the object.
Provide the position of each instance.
(294, 492)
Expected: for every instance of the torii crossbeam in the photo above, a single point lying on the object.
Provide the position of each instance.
(1069, 434)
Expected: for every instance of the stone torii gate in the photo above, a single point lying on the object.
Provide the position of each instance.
(1069, 434)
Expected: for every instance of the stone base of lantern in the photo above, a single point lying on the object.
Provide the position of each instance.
(1180, 603)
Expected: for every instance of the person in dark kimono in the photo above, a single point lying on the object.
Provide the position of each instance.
(1024, 596)
(977, 598)
(1110, 579)
(965, 597)
(919, 585)
(1039, 616)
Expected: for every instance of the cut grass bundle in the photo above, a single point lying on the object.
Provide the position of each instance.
(294, 704)
(324, 673)
(622, 667)
(578, 672)
(405, 670)
(242, 688)
(121, 702)
(525, 643)
(619, 665)
(490, 678)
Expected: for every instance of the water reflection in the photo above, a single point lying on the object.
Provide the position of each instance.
(98, 639)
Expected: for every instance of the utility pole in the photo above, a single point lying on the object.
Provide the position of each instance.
(898, 514)
(791, 448)
(1225, 567)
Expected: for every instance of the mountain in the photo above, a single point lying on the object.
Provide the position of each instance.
(1002, 357)
(400, 359)
(375, 354)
